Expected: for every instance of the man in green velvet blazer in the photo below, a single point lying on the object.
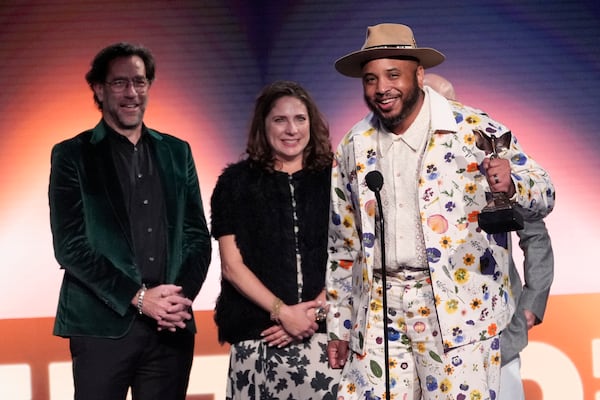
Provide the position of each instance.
(130, 233)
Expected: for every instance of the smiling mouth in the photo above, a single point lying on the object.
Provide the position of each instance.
(130, 107)
(387, 100)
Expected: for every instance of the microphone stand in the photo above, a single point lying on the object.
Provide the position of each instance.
(386, 351)
(374, 181)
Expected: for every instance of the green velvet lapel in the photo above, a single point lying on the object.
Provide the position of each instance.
(171, 189)
(104, 172)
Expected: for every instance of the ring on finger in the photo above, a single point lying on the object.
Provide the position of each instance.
(496, 179)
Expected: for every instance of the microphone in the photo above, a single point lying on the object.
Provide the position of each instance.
(374, 181)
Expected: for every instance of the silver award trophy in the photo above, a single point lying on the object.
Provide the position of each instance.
(498, 215)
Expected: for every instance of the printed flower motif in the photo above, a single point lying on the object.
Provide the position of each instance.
(456, 361)
(458, 117)
(469, 259)
(473, 119)
(451, 306)
(401, 324)
(336, 219)
(431, 383)
(496, 359)
(445, 386)
(431, 171)
(419, 327)
(370, 207)
(445, 241)
(491, 129)
(461, 224)
(476, 303)
(431, 143)
(473, 216)
(492, 329)
(376, 305)
(495, 343)
(351, 388)
(449, 206)
(461, 275)
(421, 347)
(360, 167)
(393, 334)
(486, 291)
(348, 221)
(428, 193)
(448, 369)
(433, 254)
(472, 167)
(369, 239)
(348, 242)
(456, 331)
(471, 188)
(448, 157)
(519, 159)
(424, 311)
(438, 223)
(371, 156)
(369, 132)
(475, 395)
(469, 139)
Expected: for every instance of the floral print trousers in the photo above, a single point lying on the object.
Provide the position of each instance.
(294, 372)
(418, 366)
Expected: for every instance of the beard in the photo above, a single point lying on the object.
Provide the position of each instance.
(409, 98)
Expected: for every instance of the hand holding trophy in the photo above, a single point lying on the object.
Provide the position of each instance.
(498, 215)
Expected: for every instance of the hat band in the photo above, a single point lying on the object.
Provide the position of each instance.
(391, 46)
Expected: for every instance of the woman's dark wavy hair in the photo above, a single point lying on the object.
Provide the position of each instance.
(317, 154)
(101, 63)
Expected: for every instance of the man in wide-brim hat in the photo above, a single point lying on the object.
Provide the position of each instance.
(447, 287)
(387, 41)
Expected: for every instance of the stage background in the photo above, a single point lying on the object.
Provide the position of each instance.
(535, 66)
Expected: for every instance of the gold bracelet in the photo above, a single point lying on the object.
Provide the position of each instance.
(276, 309)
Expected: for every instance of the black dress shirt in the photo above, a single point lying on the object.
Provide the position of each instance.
(144, 199)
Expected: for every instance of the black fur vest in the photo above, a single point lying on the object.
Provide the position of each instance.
(256, 206)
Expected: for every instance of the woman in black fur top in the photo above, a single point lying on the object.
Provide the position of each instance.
(269, 214)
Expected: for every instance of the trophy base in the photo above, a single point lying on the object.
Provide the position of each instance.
(502, 220)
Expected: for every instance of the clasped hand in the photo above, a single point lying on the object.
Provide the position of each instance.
(168, 306)
(296, 323)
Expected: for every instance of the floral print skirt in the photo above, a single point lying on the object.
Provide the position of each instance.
(297, 371)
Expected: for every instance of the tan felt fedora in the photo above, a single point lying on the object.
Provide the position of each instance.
(387, 41)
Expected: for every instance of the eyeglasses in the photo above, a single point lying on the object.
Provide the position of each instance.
(139, 84)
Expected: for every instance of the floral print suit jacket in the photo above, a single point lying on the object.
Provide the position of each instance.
(469, 268)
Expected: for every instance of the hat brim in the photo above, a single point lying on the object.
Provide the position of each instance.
(351, 64)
